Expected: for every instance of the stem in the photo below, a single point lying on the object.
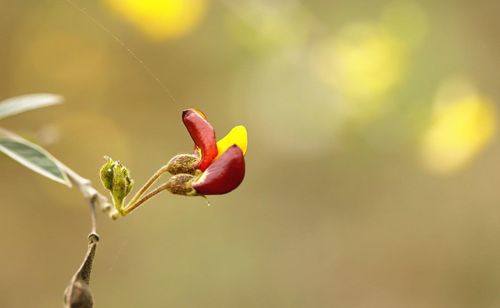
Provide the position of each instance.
(89, 193)
(148, 184)
(132, 206)
(93, 217)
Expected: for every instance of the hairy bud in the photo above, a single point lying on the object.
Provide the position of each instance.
(183, 163)
(180, 184)
(116, 178)
(107, 174)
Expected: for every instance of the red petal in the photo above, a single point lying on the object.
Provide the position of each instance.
(223, 175)
(203, 135)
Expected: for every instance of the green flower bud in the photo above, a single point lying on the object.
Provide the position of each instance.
(122, 183)
(183, 163)
(107, 173)
(116, 178)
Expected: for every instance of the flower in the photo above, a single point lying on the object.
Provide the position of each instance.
(216, 167)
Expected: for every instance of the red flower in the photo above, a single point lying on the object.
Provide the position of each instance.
(222, 164)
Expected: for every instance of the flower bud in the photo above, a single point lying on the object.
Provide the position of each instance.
(122, 183)
(115, 177)
(107, 173)
(183, 163)
(180, 184)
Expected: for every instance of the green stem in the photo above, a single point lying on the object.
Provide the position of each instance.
(132, 206)
(138, 198)
(148, 184)
(118, 205)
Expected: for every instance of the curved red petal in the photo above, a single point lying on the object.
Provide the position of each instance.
(223, 175)
(203, 135)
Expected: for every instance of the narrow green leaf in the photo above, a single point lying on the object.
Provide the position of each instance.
(24, 103)
(33, 157)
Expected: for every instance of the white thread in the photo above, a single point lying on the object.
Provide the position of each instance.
(146, 68)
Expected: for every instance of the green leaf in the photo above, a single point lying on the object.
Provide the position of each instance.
(33, 157)
(24, 103)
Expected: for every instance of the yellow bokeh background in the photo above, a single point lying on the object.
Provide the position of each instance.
(372, 162)
(463, 123)
(161, 19)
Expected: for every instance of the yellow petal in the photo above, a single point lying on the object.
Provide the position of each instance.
(238, 136)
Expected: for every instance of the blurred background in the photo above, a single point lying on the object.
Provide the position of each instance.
(372, 165)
